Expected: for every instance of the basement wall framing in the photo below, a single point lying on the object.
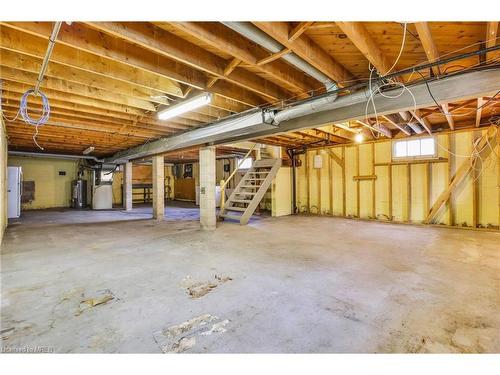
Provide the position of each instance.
(362, 181)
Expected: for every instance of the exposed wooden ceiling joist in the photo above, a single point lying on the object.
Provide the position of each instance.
(298, 30)
(221, 37)
(362, 39)
(162, 42)
(306, 49)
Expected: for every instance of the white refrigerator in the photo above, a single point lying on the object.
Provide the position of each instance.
(14, 191)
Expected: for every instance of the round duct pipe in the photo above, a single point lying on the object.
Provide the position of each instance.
(256, 35)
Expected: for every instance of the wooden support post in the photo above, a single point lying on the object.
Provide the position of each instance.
(330, 184)
(475, 186)
(451, 172)
(318, 179)
(374, 215)
(343, 183)
(408, 193)
(428, 184)
(158, 187)
(308, 186)
(390, 191)
(127, 186)
(207, 188)
(358, 197)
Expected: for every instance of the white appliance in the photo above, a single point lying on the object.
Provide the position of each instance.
(217, 195)
(103, 197)
(14, 191)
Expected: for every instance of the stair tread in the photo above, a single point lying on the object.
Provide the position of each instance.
(244, 193)
(240, 200)
(239, 209)
(234, 217)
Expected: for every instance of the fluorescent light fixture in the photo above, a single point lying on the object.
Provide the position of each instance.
(358, 138)
(88, 150)
(185, 106)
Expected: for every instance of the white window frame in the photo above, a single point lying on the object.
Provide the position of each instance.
(415, 157)
(242, 168)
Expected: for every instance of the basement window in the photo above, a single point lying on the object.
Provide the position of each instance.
(419, 148)
(245, 163)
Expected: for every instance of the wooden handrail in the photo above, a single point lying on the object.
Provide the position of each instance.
(223, 182)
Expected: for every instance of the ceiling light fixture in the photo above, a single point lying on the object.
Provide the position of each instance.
(185, 106)
(358, 138)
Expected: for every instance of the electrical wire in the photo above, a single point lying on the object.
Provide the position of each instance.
(400, 51)
(23, 109)
(462, 114)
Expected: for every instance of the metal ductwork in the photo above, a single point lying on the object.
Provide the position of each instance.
(54, 156)
(320, 104)
(256, 35)
(239, 125)
(319, 111)
(412, 124)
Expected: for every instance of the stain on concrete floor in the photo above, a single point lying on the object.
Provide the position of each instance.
(185, 336)
(197, 289)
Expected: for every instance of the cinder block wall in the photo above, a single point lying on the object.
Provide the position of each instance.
(51, 189)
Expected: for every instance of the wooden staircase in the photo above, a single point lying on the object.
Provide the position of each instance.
(247, 195)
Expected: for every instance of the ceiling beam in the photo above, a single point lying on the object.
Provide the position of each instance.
(86, 41)
(448, 115)
(274, 56)
(432, 53)
(363, 41)
(479, 111)
(381, 129)
(298, 30)
(31, 39)
(455, 88)
(423, 121)
(306, 49)
(29, 78)
(424, 33)
(160, 41)
(393, 120)
(491, 39)
(78, 99)
(221, 37)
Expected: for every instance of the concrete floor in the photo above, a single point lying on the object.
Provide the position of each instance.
(291, 284)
